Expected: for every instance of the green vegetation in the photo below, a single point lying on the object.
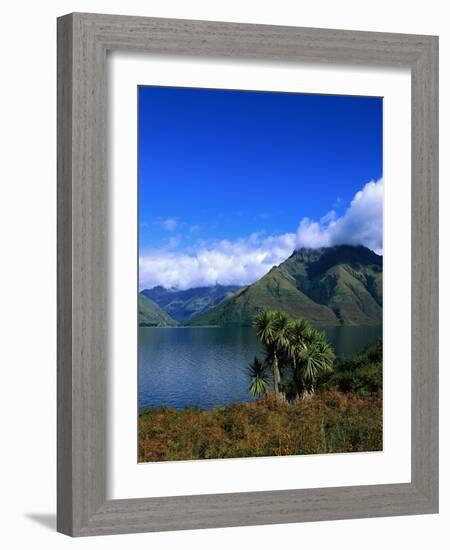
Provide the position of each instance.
(361, 374)
(296, 353)
(181, 305)
(329, 422)
(328, 286)
(151, 315)
(318, 409)
(259, 379)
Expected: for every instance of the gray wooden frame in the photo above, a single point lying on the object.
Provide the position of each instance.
(83, 40)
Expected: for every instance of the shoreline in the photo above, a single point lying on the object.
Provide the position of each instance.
(315, 325)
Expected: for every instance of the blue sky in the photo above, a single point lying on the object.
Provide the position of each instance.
(223, 173)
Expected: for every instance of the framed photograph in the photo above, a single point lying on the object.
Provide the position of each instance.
(247, 274)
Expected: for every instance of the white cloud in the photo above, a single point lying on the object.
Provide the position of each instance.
(246, 260)
(329, 217)
(240, 262)
(362, 223)
(169, 224)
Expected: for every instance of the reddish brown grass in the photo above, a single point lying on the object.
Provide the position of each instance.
(328, 422)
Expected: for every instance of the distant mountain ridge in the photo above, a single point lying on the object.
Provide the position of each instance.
(151, 315)
(182, 305)
(340, 285)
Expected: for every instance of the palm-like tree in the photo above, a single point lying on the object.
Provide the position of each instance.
(259, 378)
(316, 358)
(266, 331)
(297, 334)
(295, 344)
(272, 328)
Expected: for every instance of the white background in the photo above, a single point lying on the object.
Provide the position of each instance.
(28, 300)
(127, 479)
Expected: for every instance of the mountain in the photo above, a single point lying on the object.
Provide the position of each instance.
(340, 285)
(181, 305)
(151, 315)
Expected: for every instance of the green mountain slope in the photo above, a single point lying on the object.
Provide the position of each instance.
(336, 285)
(181, 305)
(151, 315)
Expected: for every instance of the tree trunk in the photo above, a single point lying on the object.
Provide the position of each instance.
(276, 375)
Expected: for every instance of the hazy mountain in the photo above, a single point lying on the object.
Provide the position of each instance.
(184, 304)
(335, 285)
(151, 315)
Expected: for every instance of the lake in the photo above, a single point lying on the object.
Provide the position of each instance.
(206, 366)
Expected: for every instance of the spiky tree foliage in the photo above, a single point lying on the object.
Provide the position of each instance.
(265, 324)
(272, 328)
(316, 358)
(298, 332)
(295, 348)
(259, 378)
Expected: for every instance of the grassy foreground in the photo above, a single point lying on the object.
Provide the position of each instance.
(330, 421)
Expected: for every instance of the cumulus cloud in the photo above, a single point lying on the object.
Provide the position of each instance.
(239, 262)
(362, 223)
(246, 260)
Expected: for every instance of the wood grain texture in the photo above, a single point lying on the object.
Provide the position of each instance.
(64, 267)
(425, 272)
(83, 40)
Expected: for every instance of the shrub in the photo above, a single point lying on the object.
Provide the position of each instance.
(328, 422)
(361, 374)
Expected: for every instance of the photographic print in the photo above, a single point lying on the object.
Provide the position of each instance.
(260, 292)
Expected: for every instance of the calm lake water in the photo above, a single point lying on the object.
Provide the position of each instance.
(206, 366)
